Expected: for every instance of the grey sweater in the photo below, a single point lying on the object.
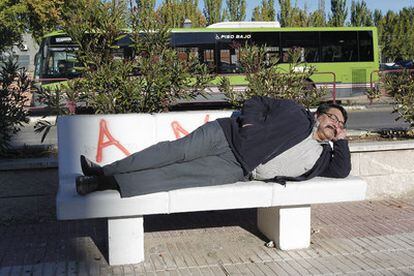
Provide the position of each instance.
(293, 162)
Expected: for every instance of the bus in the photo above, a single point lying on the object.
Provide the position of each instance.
(345, 58)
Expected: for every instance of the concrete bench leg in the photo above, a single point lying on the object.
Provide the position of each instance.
(126, 240)
(288, 227)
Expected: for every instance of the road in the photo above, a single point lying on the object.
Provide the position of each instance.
(374, 118)
(370, 118)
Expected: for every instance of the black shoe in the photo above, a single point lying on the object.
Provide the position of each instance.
(86, 184)
(89, 167)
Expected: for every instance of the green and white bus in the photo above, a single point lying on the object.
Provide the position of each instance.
(344, 57)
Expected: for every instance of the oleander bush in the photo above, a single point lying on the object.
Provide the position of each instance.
(153, 79)
(14, 84)
(400, 86)
(266, 77)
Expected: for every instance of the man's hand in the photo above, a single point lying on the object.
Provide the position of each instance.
(340, 134)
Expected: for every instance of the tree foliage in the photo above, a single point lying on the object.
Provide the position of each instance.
(317, 19)
(264, 12)
(44, 16)
(96, 29)
(172, 13)
(235, 10)
(14, 84)
(377, 17)
(297, 17)
(285, 15)
(266, 77)
(361, 16)
(213, 11)
(145, 12)
(396, 36)
(12, 13)
(338, 14)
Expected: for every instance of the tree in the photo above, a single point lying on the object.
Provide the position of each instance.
(236, 10)
(96, 28)
(361, 16)
(396, 35)
(44, 16)
(317, 19)
(377, 17)
(145, 12)
(300, 17)
(172, 13)
(12, 25)
(292, 16)
(387, 38)
(285, 15)
(338, 13)
(212, 11)
(264, 12)
(405, 34)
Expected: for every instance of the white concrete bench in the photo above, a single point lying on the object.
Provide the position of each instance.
(283, 212)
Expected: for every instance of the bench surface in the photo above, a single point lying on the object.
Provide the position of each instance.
(239, 195)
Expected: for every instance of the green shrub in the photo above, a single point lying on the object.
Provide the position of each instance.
(14, 82)
(266, 77)
(110, 84)
(400, 86)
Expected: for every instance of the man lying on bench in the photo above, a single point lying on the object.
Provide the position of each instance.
(272, 140)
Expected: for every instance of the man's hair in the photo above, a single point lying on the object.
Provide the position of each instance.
(323, 108)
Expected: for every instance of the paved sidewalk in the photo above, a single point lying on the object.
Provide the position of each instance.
(362, 238)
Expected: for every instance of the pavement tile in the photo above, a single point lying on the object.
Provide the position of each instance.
(254, 269)
(216, 270)
(298, 267)
(265, 269)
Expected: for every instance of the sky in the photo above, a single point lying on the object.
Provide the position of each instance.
(383, 5)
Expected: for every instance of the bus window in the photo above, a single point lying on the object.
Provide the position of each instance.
(60, 64)
(118, 54)
(225, 57)
(272, 52)
(208, 58)
(229, 61)
(365, 46)
(339, 46)
(37, 59)
(185, 53)
(306, 42)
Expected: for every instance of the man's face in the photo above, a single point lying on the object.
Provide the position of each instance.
(331, 125)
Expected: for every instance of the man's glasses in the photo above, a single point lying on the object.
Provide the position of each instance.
(335, 119)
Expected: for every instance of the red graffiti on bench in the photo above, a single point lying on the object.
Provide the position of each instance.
(104, 132)
(178, 129)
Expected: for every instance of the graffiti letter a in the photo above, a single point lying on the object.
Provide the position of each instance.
(104, 132)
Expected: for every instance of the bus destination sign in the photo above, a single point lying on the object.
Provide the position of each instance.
(232, 36)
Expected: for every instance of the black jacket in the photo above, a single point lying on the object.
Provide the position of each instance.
(271, 127)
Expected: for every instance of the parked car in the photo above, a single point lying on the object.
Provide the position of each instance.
(401, 64)
(407, 64)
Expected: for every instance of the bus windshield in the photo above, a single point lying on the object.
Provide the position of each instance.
(61, 63)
